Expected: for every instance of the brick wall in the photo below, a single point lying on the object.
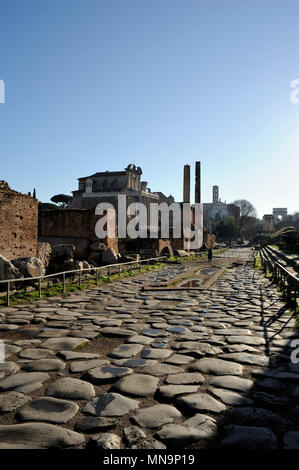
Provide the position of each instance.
(73, 223)
(18, 223)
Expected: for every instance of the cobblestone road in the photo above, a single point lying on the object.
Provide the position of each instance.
(119, 367)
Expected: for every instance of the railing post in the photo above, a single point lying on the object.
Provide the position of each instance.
(97, 276)
(119, 271)
(40, 288)
(80, 279)
(63, 283)
(8, 294)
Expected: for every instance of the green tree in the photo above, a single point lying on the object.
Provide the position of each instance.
(226, 229)
(61, 199)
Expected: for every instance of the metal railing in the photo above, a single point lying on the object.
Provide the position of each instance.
(288, 281)
(109, 269)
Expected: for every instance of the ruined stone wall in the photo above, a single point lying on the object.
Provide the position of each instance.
(73, 223)
(18, 223)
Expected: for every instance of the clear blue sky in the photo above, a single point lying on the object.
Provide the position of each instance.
(92, 85)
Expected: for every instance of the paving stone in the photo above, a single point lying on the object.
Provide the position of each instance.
(272, 400)
(117, 332)
(126, 350)
(106, 374)
(291, 440)
(139, 339)
(74, 389)
(192, 430)
(110, 404)
(232, 383)
(155, 416)
(217, 367)
(233, 348)
(133, 363)
(232, 332)
(249, 340)
(185, 378)
(251, 416)
(245, 358)
(170, 391)
(70, 355)
(201, 402)
(160, 369)
(27, 342)
(8, 368)
(230, 398)
(155, 333)
(139, 385)
(25, 382)
(244, 437)
(179, 359)
(106, 440)
(44, 365)
(10, 401)
(8, 327)
(35, 353)
(94, 424)
(51, 410)
(156, 353)
(37, 436)
(148, 443)
(275, 374)
(64, 343)
(133, 434)
(83, 366)
(53, 333)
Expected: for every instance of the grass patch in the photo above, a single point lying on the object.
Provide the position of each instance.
(56, 289)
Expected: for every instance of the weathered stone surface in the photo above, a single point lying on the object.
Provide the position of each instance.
(110, 404)
(37, 436)
(25, 382)
(35, 353)
(156, 353)
(83, 366)
(126, 351)
(291, 440)
(94, 424)
(117, 332)
(179, 359)
(230, 398)
(201, 402)
(64, 343)
(250, 340)
(272, 400)
(192, 430)
(70, 355)
(155, 416)
(170, 391)
(106, 440)
(249, 416)
(160, 369)
(30, 267)
(139, 385)
(217, 367)
(106, 374)
(185, 378)
(148, 443)
(232, 332)
(74, 389)
(244, 437)
(8, 368)
(8, 270)
(44, 365)
(133, 434)
(139, 339)
(232, 383)
(51, 410)
(10, 401)
(246, 358)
